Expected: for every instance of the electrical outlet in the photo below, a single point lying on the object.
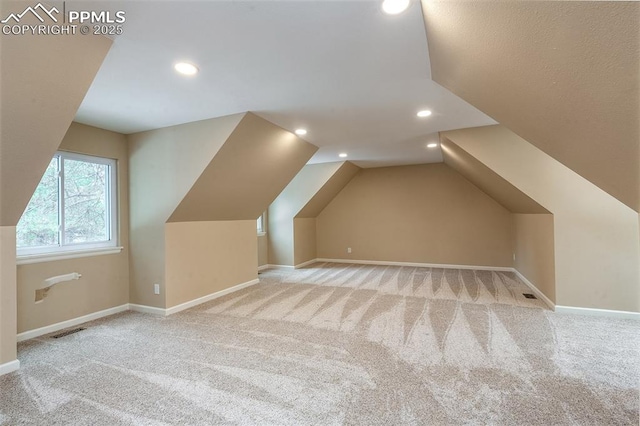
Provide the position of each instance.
(348, 249)
(156, 288)
(514, 257)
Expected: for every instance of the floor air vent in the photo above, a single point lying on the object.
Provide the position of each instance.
(529, 296)
(66, 333)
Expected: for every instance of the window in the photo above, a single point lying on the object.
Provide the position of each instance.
(73, 207)
(261, 224)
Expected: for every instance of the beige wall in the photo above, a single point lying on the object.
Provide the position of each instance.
(427, 213)
(304, 240)
(305, 196)
(206, 257)
(105, 279)
(534, 251)
(8, 319)
(563, 75)
(596, 237)
(165, 164)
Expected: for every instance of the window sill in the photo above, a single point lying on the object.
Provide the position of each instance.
(50, 257)
(261, 234)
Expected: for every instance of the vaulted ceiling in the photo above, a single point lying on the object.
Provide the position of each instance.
(351, 75)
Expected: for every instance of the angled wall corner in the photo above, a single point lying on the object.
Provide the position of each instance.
(596, 239)
(533, 249)
(43, 81)
(329, 190)
(561, 75)
(248, 172)
(164, 164)
(196, 191)
(211, 241)
(303, 199)
(488, 181)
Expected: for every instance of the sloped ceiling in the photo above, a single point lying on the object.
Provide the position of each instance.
(43, 81)
(256, 162)
(488, 180)
(562, 75)
(329, 190)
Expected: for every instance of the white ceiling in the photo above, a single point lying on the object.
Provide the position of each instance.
(351, 75)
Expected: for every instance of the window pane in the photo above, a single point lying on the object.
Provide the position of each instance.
(86, 203)
(38, 225)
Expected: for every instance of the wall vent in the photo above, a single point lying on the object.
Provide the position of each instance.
(66, 333)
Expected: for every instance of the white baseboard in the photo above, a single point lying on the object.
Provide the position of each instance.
(419, 265)
(263, 267)
(31, 334)
(535, 290)
(271, 266)
(190, 304)
(209, 297)
(146, 309)
(598, 312)
(9, 367)
(303, 264)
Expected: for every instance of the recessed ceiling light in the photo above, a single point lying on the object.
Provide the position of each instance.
(342, 155)
(301, 132)
(424, 113)
(432, 145)
(393, 7)
(186, 68)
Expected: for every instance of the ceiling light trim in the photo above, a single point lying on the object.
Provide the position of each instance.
(395, 7)
(186, 68)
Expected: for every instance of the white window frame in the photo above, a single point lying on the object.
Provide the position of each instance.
(261, 230)
(62, 249)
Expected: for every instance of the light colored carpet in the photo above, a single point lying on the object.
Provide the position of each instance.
(338, 344)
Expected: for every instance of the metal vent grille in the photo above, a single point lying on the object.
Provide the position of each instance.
(66, 333)
(529, 296)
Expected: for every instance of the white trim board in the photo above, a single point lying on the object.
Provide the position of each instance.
(307, 263)
(207, 298)
(539, 294)
(31, 334)
(190, 304)
(263, 267)
(146, 309)
(419, 265)
(28, 259)
(9, 367)
(593, 312)
(271, 266)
